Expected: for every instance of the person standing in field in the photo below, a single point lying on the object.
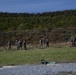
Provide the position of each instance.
(24, 44)
(9, 44)
(17, 44)
(40, 43)
(73, 41)
(20, 44)
(47, 42)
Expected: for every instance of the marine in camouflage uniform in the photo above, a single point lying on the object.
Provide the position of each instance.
(24, 44)
(9, 44)
(47, 42)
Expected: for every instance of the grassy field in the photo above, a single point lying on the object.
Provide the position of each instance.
(21, 57)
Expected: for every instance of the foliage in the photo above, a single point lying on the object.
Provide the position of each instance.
(26, 21)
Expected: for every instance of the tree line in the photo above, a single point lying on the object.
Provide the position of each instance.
(32, 21)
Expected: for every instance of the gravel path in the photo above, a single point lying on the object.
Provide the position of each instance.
(50, 69)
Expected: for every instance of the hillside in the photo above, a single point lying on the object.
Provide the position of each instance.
(26, 21)
(55, 25)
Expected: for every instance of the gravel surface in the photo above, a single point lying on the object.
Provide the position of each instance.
(39, 69)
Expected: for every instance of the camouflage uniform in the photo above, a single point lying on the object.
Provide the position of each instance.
(24, 44)
(47, 42)
(9, 44)
(40, 43)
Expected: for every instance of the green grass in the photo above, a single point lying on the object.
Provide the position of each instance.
(34, 56)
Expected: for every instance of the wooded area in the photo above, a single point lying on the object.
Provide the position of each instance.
(47, 20)
(54, 25)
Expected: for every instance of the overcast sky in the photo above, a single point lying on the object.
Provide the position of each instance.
(36, 6)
